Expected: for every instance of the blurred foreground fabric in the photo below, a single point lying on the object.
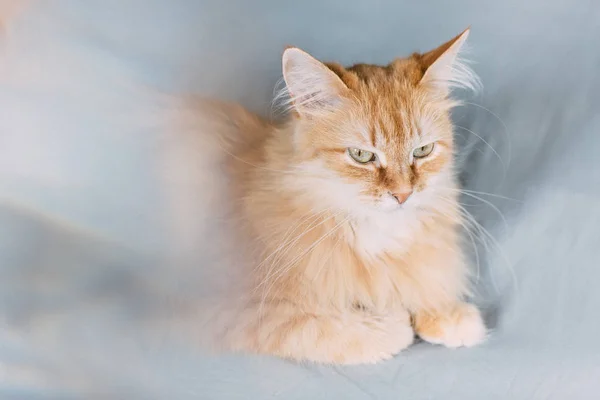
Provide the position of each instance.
(83, 231)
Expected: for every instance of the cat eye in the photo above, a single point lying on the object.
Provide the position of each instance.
(423, 151)
(361, 156)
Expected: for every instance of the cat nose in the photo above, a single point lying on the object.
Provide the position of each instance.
(402, 196)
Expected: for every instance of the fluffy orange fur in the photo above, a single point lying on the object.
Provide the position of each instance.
(344, 270)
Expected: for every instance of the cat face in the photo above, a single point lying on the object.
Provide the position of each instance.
(371, 138)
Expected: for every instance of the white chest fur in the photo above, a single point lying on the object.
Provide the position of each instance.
(376, 234)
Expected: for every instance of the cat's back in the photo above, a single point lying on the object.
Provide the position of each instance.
(234, 126)
(202, 161)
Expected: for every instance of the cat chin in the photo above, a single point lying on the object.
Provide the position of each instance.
(381, 209)
(377, 210)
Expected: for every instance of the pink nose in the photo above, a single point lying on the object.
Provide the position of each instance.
(402, 196)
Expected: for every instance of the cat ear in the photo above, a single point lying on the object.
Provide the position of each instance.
(311, 86)
(445, 70)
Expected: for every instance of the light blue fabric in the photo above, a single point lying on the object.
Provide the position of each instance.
(81, 228)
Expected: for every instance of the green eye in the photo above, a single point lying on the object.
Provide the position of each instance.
(361, 156)
(424, 151)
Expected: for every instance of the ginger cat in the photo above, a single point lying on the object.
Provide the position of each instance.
(353, 214)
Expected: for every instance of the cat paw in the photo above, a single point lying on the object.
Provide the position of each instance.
(347, 338)
(463, 327)
(373, 348)
(357, 338)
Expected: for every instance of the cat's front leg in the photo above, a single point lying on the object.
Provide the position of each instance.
(350, 336)
(458, 326)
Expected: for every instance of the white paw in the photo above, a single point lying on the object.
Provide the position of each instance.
(465, 328)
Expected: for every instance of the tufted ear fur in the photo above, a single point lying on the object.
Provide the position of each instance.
(312, 86)
(444, 68)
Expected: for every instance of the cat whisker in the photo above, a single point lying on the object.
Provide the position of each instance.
(506, 132)
(291, 263)
(469, 223)
(483, 194)
(471, 194)
(489, 194)
(494, 243)
(287, 246)
(333, 248)
(312, 246)
(470, 234)
(483, 237)
(313, 224)
(486, 235)
(504, 166)
(289, 232)
(478, 271)
(491, 205)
